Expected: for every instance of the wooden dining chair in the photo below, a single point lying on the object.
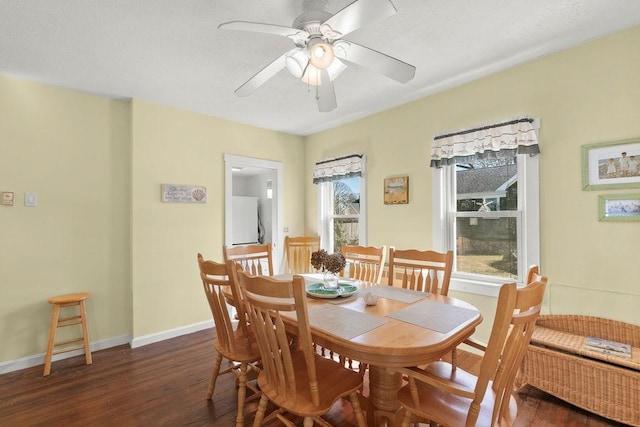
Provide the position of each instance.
(426, 271)
(294, 378)
(238, 345)
(364, 262)
(298, 253)
(444, 395)
(255, 259)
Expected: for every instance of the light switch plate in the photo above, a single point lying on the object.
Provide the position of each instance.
(31, 199)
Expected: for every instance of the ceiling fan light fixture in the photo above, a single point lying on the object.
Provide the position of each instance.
(321, 55)
(320, 50)
(296, 61)
(312, 76)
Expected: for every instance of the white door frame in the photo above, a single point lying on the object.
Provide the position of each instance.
(231, 161)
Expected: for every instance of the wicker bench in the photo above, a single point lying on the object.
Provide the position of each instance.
(557, 363)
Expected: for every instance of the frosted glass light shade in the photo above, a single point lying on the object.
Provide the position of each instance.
(321, 55)
(296, 61)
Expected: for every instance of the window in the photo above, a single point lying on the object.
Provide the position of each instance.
(341, 213)
(486, 211)
(341, 219)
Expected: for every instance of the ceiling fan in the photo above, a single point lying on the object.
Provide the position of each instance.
(321, 54)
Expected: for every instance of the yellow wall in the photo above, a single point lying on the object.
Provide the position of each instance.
(584, 95)
(73, 151)
(177, 147)
(97, 166)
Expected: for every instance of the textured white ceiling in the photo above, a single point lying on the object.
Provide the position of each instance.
(172, 52)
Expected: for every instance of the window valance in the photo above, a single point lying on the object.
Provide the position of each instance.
(338, 168)
(504, 139)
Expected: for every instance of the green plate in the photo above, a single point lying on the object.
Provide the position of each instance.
(317, 290)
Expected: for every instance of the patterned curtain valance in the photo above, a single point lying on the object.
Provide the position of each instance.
(505, 139)
(338, 168)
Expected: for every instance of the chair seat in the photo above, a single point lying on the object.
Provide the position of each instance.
(334, 381)
(450, 407)
(241, 352)
(69, 298)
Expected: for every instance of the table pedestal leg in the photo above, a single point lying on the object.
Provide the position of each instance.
(384, 407)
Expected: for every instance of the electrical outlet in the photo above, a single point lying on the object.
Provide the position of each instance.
(285, 229)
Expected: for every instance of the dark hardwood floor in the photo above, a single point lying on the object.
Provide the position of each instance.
(165, 384)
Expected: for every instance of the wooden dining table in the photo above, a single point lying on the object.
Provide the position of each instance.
(405, 328)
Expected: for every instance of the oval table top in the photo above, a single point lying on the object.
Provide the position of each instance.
(404, 328)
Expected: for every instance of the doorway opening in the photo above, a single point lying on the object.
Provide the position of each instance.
(253, 182)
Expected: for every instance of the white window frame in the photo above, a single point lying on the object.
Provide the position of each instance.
(326, 214)
(444, 204)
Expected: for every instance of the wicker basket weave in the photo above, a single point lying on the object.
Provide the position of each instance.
(557, 363)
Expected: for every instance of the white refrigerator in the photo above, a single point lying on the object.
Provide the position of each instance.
(244, 222)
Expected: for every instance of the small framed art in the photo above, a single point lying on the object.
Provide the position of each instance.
(7, 198)
(396, 190)
(619, 207)
(173, 193)
(611, 165)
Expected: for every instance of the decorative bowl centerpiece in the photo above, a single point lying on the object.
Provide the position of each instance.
(330, 264)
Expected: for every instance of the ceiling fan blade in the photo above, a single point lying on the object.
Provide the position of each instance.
(358, 14)
(262, 76)
(376, 61)
(326, 94)
(292, 33)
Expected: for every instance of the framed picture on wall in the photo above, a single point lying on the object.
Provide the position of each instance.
(174, 193)
(619, 207)
(396, 190)
(610, 165)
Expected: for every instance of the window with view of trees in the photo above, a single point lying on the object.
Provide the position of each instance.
(346, 212)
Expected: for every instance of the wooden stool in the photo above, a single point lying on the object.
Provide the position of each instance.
(81, 319)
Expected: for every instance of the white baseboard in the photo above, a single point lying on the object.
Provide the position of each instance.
(38, 359)
(171, 333)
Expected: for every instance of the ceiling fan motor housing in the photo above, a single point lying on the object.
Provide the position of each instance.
(315, 13)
